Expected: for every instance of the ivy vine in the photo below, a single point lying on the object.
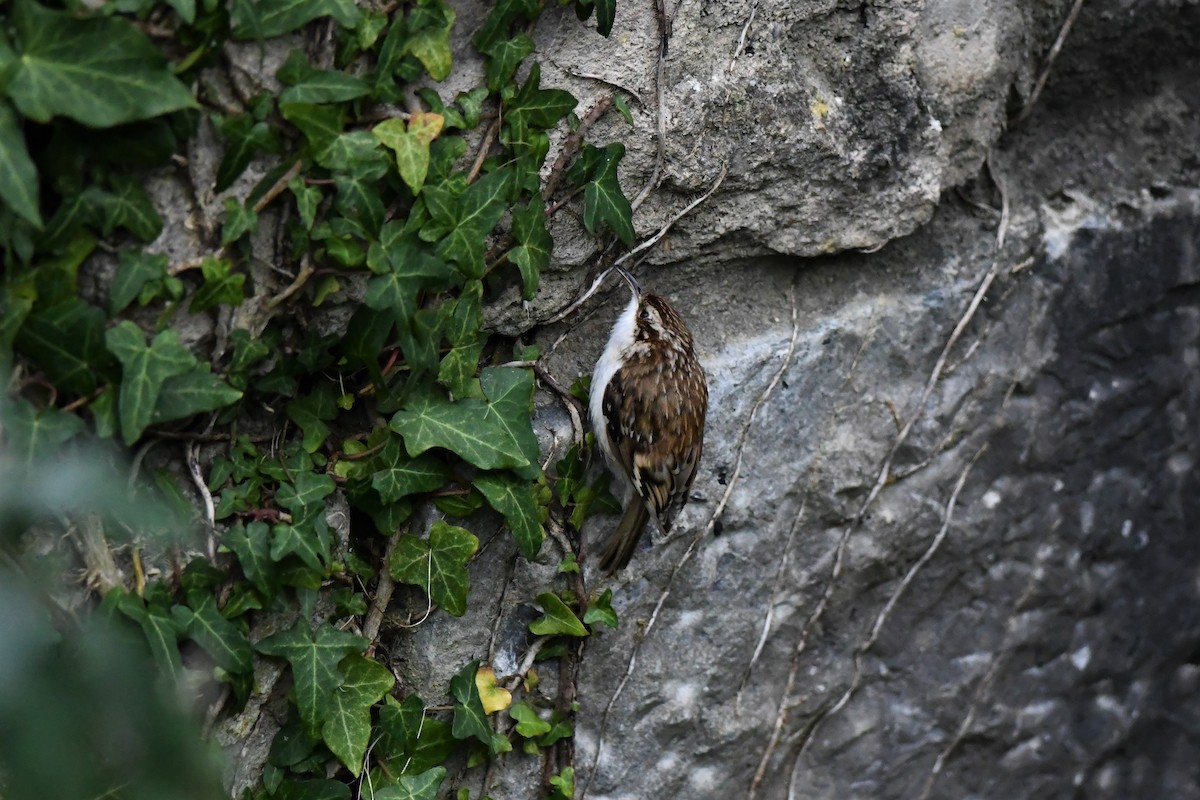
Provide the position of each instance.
(408, 404)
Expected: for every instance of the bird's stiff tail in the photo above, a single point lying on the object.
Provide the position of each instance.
(623, 541)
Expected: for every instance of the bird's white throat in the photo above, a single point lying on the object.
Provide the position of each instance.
(619, 341)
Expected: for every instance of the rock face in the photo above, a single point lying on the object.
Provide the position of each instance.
(942, 544)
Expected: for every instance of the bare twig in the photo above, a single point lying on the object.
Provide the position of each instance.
(306, 272)
(210, 523)
(1053, 54)
(1002, 228)
(686, 210)
(485, 146)
(741, 45)
(660, 80)
(383, 589)
(514, 680)
(277, 187)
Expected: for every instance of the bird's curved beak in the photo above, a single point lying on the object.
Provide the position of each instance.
(637, 290)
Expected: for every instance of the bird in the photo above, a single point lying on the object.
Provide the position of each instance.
(647, 406)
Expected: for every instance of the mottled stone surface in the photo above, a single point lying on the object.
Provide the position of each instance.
(1036, 634)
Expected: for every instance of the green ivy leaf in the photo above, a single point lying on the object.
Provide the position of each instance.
(305, 495)
(606, 14)
(135, 269)
(308, 199)
(532, 254)
(99, 71)
(307, 84)
(314, 656)
(469, 717)
(67, 342)
(402, 270)
(240, 220)
(347, 726)
(491, 433)
(324, 789)
(356, 153)
(358, 199)
(601, 610)
(161, 631)
(503, 58)
(193, 393)
(564, 782)
(476, 212)
(221, 285)
(398, 475)
(411, 143)
(471, 104)
(311, 413)
(245, 137)
(501, 18)
(305, 542)
(457, 370)
(219, 637)
(18, 175)
(514, 498)
(33, 434)
(439, 565)
(277, 17)
(418, 742)
(247, 350)
(252, 544)
(603, 201)
(144, 369)
(431, 45)
(414, 787)
(558, 619)
(16, 301)
(529, 724)
(319, 124)
(126, 206)
(536, 108)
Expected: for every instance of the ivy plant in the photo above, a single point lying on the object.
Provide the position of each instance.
(408, 404)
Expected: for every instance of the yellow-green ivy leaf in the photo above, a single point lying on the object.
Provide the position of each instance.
(411, 143)
(492, 696)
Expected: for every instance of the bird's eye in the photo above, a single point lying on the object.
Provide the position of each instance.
(645, 313)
